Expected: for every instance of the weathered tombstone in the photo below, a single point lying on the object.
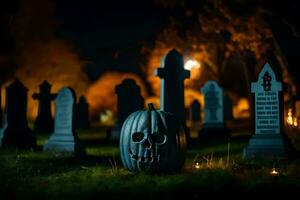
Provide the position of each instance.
(195, 111)
(82, 114)
(16, 133)
(172, 75)
(44, 121)
(269, 140)
(129, 101)
(64, 138)
(213, 127)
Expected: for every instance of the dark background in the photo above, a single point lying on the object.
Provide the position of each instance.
(109, 35)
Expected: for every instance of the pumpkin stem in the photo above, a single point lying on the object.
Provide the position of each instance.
(151, 106)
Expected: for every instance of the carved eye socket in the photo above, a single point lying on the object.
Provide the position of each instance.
(137, 137)
(158, 137)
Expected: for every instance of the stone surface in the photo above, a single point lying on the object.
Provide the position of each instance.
(213, 128)
(172, 74)
(129, 100)
(228, 108)
(82, 114)
(195, 111)
(213, 104)
(64, 138)
(269, 139)
(15, 131)
(44, 121)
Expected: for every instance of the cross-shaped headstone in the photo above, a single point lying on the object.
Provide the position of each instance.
(44, 121)
(172, 74)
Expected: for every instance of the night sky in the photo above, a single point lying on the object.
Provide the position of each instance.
(110, 34)
(58, 40)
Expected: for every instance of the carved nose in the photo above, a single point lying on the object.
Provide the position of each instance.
(147, 144)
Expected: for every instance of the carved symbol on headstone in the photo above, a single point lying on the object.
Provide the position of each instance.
(212, 100)
(267, 81)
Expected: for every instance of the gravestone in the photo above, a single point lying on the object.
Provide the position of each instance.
(15, 132)
(213, 127)
(172, 75)
(195, 111)
(228, 106)
(64, 137)
(129, 100)
(269, 139)
(44, 121)
(82, 114)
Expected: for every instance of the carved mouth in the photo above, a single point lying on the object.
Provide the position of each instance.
(143, 159)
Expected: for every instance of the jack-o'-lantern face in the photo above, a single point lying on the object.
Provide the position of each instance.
(145, 147)
(147, 143)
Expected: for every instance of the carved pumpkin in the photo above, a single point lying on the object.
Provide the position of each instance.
(152, 140)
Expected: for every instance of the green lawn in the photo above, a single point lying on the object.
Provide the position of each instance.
(100, 175)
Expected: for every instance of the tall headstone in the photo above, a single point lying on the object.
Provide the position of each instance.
(64, 138)
(172, 75)
(44, 121)
(129, 100)
(195, 111)
(16, 133)
(269, 139)
(82, 114)
(213, 127)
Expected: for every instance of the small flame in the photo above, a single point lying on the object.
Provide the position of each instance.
(295, 123)
(274, 172)
(289, 119)
(197, 165)
(292, 121)
(192, 64)
(106, 117)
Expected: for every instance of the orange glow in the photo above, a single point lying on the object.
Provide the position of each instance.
(191, 95)
(295, 122)
(51, 60)
(290, 119)
(192, 64)
(101, 94)
(39, 55)
(241, 110)
(154, 100)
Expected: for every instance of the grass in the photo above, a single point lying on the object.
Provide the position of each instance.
(100, 175)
